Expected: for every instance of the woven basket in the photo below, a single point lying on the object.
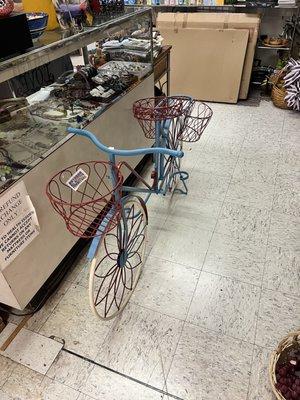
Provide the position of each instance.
(278, 93)
(289, 340)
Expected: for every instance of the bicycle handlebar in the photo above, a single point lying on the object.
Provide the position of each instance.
(128, 153)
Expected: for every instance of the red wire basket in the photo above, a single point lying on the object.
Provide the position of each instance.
(196, 122)
(151, 110)
(83, 194)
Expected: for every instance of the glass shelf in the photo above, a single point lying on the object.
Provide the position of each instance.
(50, 98)
(55, 44)
(261, 46)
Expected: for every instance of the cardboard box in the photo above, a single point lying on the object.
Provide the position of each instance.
(251, 22)
(207, 64)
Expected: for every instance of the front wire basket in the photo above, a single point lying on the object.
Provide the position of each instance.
(83, 194)
(196, 122)
(153, 110)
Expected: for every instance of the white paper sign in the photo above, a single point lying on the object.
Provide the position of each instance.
(18, 223)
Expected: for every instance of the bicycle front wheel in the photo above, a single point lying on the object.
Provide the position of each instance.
(117, 264)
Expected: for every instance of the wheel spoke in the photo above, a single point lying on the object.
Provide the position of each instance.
(135, 232)
(116, 274)
(109, 254)
(136, 265)
(131, 277)
(139, 246)
(108, 289)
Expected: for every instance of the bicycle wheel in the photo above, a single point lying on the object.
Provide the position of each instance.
(118, 261)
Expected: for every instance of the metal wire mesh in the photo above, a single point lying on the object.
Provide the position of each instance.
(84, 195)
(196, 122)
(153, 110)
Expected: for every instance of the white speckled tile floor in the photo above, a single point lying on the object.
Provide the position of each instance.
(220, 287)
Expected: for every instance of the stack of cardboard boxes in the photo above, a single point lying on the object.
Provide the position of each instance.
(212, 53)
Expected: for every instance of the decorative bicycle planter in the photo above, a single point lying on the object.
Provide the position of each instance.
(89, 197)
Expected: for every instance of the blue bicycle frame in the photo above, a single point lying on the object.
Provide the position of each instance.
(158, 152)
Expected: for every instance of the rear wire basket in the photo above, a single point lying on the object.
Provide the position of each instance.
(196, 122)
(153, 110)
(85, 206)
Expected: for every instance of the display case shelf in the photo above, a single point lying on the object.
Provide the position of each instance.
(225, 7)
(31, 135)
(56, 44)
(261, 46)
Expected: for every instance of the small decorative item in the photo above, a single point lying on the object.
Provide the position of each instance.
(292, 84)
(6, 7)
(284, 369)
(71, 14)
(276, 42)
(37, 23)
(278, 90)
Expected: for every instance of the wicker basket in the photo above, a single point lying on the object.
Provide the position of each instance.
(278, 93)
(289, 340)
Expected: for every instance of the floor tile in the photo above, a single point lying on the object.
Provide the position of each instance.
(291, 128)
(279, 314)
(38, 319)
(235, 258)
(216, 163)
(260, 148)
(182, 244)
(5, 396)
(57, 391)
(70, 370)
(83, 277)
(166, 287)
(284, 231)
(282, 270)
(209, 366)
(229, 146)
(79, 264)
(74, 322)
(103, 384)
(24, 384)
(85, 397)
(6, 368)
(242, 222)
(287, 195)
(208, 185)
(153, 229)
(30, 349)
(253, 194)
(253, 170)
(158, 206)
(198, 212)
(289, 157)
(191, 154)
(224, 305)
(141, 344)
(260, 388)
(264, 129)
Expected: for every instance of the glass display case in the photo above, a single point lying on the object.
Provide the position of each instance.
(68, 79)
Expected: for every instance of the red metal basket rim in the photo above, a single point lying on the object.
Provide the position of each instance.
(137, 105)
(57, 200)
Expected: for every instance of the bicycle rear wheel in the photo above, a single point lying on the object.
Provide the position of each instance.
(118, 261)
